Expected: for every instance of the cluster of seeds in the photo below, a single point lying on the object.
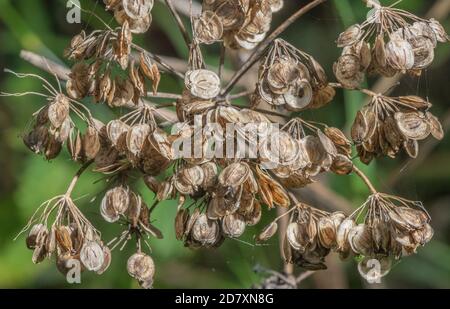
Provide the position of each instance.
(219, 196)
(305, 156)
(137, 13)
(51, 127)
(70, 238)
(386, 125)
(92, 74)
(390, 41)
(239, 24)
(292, 79)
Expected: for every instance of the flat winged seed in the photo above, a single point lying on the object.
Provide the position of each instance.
(439, 31)
(115, 130)
(400, 54)
(412, 125)
(91, 143)
(233, 225)
(326, 232)
(205, 231)
(106, 260)
(423, 52)
(203, 84)
(360, 239)
(136, 9)
(268, 232)
(342, 165)
(134, 208)
(235, 174)
(415, 102)
(114, 204)
(436, 127)
(380, 51)
(35, 233)
(412, 147)
(347, 71)
(208, 28)
(342, 233)
(58, 111)
(301, 98)
(91, 255)
(360, 128)
(141, 267)
(136, 137)
(350, 36)
(181, 220)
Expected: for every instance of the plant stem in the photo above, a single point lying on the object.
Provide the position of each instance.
(77, 176)
(163, 95)
(368, 92)
(365, 179)
(180, 24)
(259, 50)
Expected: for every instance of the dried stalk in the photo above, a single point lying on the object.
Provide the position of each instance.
(180, 23)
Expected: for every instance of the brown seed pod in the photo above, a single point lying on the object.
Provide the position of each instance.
(233, 225)
(205, 231)
(141, 267)
(208, 28)
(350, 36)
(268, 232)
(91, 255)
(115, 203)
(412, 125)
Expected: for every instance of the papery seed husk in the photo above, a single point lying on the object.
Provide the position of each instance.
(235, 174)
(35, 234)
(205, 231)
(106, 260)
(208, 27)
(141, 266)
(268, 232)
(435, 126)
(134, 208)
(400, 54)
(412, 125)
(233, 225)
(342, 235)
(180, 223)
(91, 255)
(349, 36)
(360, 239)
(58, 110)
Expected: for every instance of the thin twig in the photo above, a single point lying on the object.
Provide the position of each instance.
(304, 276)
(164, 95)
(365, 179)
(180, 24)
(77, 176)
(259, 50)
(240, 95)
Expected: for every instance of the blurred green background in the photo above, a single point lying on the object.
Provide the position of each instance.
(27, 180)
